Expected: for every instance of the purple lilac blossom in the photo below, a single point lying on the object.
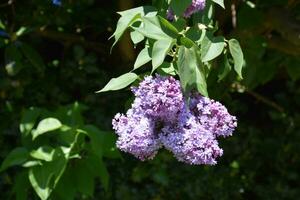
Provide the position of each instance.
(136, 135)
(190, 142)
(212, 115)
(160, 117)
(159, 97)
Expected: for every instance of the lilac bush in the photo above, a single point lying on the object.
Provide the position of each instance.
(160, 117)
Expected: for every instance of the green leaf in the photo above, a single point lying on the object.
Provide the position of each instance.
(179, 6)
(119, 82)
(28, 120)
(109, 149)
(2, 26)
(66, 187)
(167, 69)
(142, 58)
(45, 178)
(220, 2)
(70, 115)
(84, 179)
(186, 42)
(160, 50)
(151, 28)
(136, 37)
(16, 157)
(21, 186)
(149, 11)
(67, 135)
(211, 47)
(22, 30)
(46, 125)
(191, 70)
(123, 24)
(168, 28)
(226, 68)
(128, 17)
(161, 5)
(33, 56)
(32, 163)
(237, 55)
(180, 24)
(96, 140)
(196, 34)
(98, 168)
(103, 143)
(103, 174)
(45, 153)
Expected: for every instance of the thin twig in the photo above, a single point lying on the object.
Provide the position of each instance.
(266, 101)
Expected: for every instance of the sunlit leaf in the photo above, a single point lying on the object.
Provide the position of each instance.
(46, 125)
(119, 82)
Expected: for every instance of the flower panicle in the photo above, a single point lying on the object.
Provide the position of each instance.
(160, 117)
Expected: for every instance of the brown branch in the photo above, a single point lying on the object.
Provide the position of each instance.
(284, 46)
(266, 101)
(281, 20)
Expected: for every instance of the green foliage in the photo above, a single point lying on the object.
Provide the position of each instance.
(143, 58)
(160, 50)
(46, 125)
(211, 47)
(190, 69)
(120, 82)
(16, 157)
(237, 56)
(219, 2)
(179, 6)
(164, 39)
(46, 164)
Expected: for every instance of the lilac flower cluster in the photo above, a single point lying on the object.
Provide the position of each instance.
(160, 117)
(196, 6)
